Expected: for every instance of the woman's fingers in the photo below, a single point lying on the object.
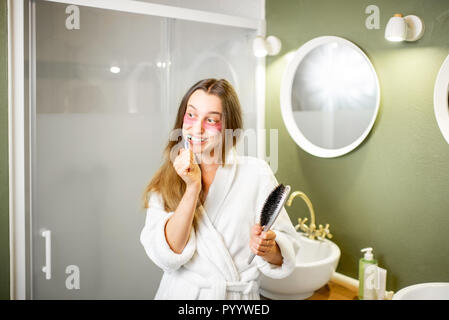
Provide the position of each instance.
(268, 235)
(186, 168)
(183, 161)
(262, 242)
(191, 156)
(256, 229)
(260, 250)
(265, 244)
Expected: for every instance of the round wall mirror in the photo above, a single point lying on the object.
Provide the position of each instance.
(329, 96)
(441, 99)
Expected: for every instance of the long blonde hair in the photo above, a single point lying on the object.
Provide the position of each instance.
(166, 180)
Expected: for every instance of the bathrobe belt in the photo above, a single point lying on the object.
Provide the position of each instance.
(219, 285)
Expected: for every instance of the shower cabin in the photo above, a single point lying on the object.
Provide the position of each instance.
(102, 82)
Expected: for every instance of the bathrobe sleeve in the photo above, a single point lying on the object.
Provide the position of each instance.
(153, 238)
(286, 237)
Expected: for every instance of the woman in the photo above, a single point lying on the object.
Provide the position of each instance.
(203, 206)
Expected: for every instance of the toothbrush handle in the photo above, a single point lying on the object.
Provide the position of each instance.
(186, 146)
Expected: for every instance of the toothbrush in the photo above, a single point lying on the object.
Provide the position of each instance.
(187, 146)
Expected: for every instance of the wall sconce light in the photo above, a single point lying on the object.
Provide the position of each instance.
(270, 46)
(408, 28)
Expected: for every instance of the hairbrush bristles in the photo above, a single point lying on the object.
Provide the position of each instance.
(270, 204)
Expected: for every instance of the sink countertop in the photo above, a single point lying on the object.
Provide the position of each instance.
(331, 291)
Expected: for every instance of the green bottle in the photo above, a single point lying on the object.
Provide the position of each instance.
(367, 260)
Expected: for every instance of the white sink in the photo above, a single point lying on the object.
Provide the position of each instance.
(424, 291)
(315, 264)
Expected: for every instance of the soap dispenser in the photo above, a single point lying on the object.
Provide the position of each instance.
(367, 275)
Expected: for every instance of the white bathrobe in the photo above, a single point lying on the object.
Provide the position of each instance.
(214, 263)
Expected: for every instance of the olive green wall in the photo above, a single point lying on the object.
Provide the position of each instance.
(4, 195)
(391, 192)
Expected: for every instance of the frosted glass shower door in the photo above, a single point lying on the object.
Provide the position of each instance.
(106, 88)
(99, 128)
(199, 51)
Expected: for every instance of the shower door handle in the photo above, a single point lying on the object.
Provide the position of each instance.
(47, 267)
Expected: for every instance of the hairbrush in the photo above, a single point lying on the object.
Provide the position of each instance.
(271, 209)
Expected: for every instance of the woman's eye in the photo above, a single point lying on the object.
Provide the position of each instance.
(190, 114)
(211, 120)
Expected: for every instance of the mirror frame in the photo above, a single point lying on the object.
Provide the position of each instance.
(440, 99)
(286, 99)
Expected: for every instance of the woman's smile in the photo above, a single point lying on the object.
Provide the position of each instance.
(196, 140)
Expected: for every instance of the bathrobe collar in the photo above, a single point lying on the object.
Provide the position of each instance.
(210, 242)
(213, 241)
(220, 185)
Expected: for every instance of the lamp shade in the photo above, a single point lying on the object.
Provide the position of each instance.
(396, 29)
(273, 45)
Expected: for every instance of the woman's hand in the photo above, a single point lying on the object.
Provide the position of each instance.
(187, 169)
(263, 244)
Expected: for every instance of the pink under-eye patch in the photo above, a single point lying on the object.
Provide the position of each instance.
(188, 120)
(210, 126)
(214, 126)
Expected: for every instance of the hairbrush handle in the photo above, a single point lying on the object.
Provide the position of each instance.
(253, 255)
(265, 228)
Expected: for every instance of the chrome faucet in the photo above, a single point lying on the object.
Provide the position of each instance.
(311, 231)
